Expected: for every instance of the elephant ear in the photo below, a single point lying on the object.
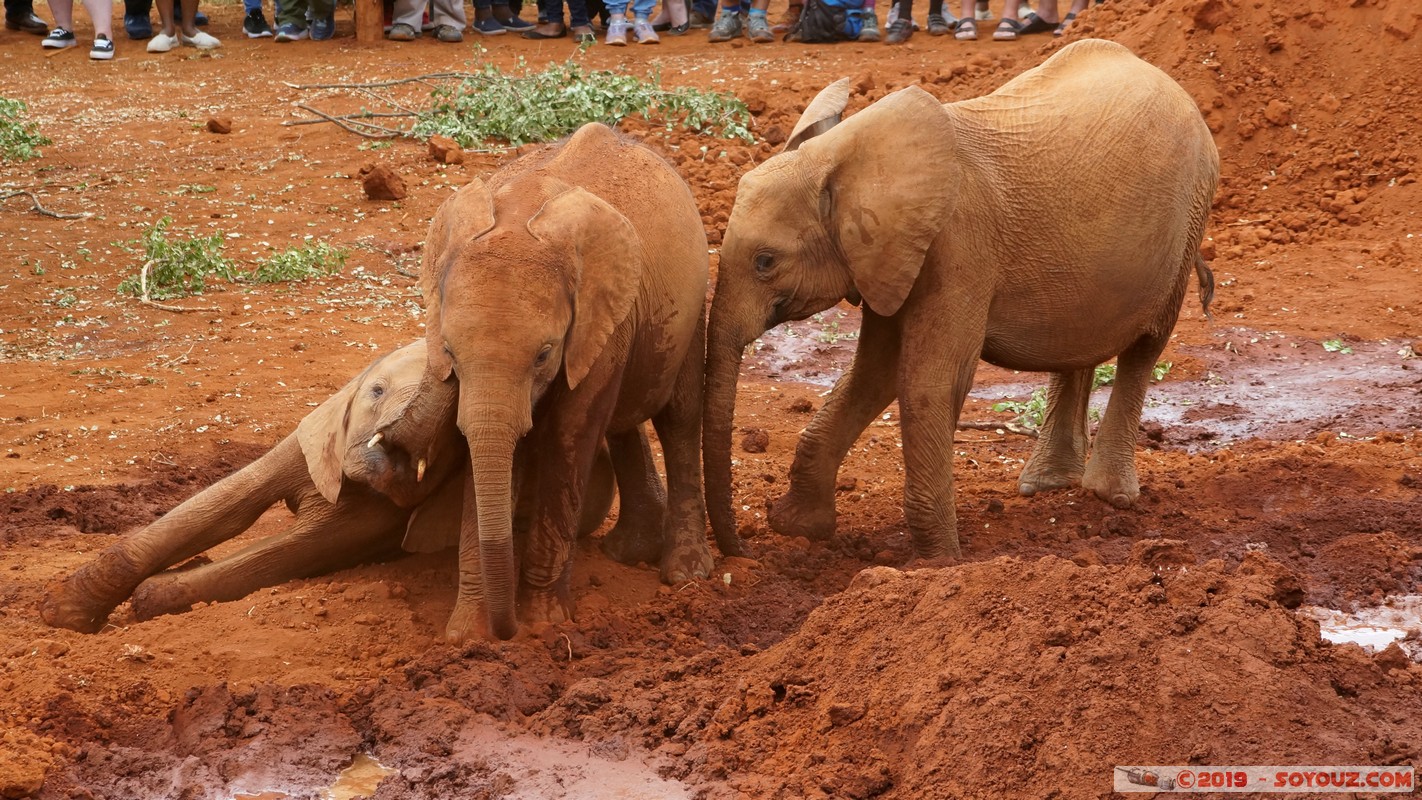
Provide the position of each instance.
(434, 524)
(889, 177)
(322, 436)
(608, 261)
(464, 217)
(823, 113)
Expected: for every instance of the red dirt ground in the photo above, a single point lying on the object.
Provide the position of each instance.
(1074, 638)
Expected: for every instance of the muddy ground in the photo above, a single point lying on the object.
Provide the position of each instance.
(1275, 470)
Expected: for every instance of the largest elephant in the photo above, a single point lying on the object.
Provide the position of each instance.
(1048, 226)
(567, 296)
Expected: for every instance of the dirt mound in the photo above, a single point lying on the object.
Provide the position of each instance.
(978, 680)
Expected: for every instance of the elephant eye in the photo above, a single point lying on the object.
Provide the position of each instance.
(543, 355)
(763, 264)
(377, 390)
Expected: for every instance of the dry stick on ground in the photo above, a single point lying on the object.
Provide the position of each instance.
(146, 300)
(41, 209)
(432, 76)
(385, 133)
(1010, 427)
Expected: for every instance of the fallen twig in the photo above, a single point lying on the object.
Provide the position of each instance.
(432, 76)
(148, 301)
(41, 209)
(346, 122)
(361, 115)
(1009, 427)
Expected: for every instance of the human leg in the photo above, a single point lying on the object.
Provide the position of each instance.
(617, 26)
(758, 23)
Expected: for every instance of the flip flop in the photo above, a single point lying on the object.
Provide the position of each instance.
(1067, 20)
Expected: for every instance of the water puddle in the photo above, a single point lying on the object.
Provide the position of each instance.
(1250, 384)
(1399, 620)
(357, 780)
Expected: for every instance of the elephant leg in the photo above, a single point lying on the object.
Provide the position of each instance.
(685, 552)
(83, 601)
(1059, 457)
(935, 375)
(807, 508)
(642, 502)
(1111, 471)
(323, 539)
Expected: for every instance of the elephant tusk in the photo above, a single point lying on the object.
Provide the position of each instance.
(375, 440)
(420, 471)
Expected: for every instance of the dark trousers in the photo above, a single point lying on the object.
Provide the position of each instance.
(15, 9)
(552, 11)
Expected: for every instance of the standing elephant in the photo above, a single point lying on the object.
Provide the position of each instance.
(355, 496)
(1048, 226)
(568, 298)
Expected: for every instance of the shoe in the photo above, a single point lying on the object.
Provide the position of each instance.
(643, 33)
(162, 43)
(200, 19)
(981, 11)
(726, 28)
(789, 19)
(323, 28)
(59, 38)
(869, 28)
(1066, 21)
(583, 34)
(1035, 24)
(28, 23)
(899, 31)
(698, 21)
(967, 30)
(103, 49)
(938, 25)
(617, 32)
(489, 27)
(255, 25)
(137, 26)
(515, 24)
(758, 29)
(448, 33)
(291, 32)
(535, 33)
(200, 40)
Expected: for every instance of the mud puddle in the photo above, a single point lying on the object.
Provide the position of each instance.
(1398, 619)
(1246, 384)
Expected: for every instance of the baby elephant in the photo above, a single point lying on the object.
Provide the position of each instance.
(355, 495)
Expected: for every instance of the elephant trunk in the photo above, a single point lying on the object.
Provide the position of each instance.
(723, 366)
(424, 424)
(486, 546)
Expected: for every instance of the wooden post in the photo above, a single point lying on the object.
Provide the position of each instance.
(369, 21)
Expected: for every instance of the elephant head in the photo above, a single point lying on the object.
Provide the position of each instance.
(847, 211)
(524, 287)
(342, 438)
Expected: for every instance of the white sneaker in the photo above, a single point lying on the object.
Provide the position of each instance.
(162, 43)
(103, 49)
(200, 40)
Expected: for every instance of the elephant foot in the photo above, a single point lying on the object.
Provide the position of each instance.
(551, 605)
(1033, 482)
(1120, 488)
(158, 596)
(792, 516)
(466, 623)
(633, 543)
(67, 606)
(687, 561)
(934, 549)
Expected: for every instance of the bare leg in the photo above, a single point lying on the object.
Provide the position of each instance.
(165, 17)
(83, 601)
(807, 509)
(1059, 458)
(102, 12)
(63, 11)
(189, 20)
(321, 541)
(1111, 472)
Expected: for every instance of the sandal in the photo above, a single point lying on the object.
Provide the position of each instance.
(967, 30)
(535, 33)
(1067, 20)
(938, 25)
(1035, 24)
(1006, 31)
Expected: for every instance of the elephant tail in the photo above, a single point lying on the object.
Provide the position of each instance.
(1207, 284)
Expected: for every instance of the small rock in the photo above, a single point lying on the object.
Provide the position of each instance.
(381, 183)
(1392, 658)
(445, 150)
(756, 440)
(841, 714)
(219, 124)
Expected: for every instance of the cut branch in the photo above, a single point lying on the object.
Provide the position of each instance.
(997, 427)
(36, 207)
